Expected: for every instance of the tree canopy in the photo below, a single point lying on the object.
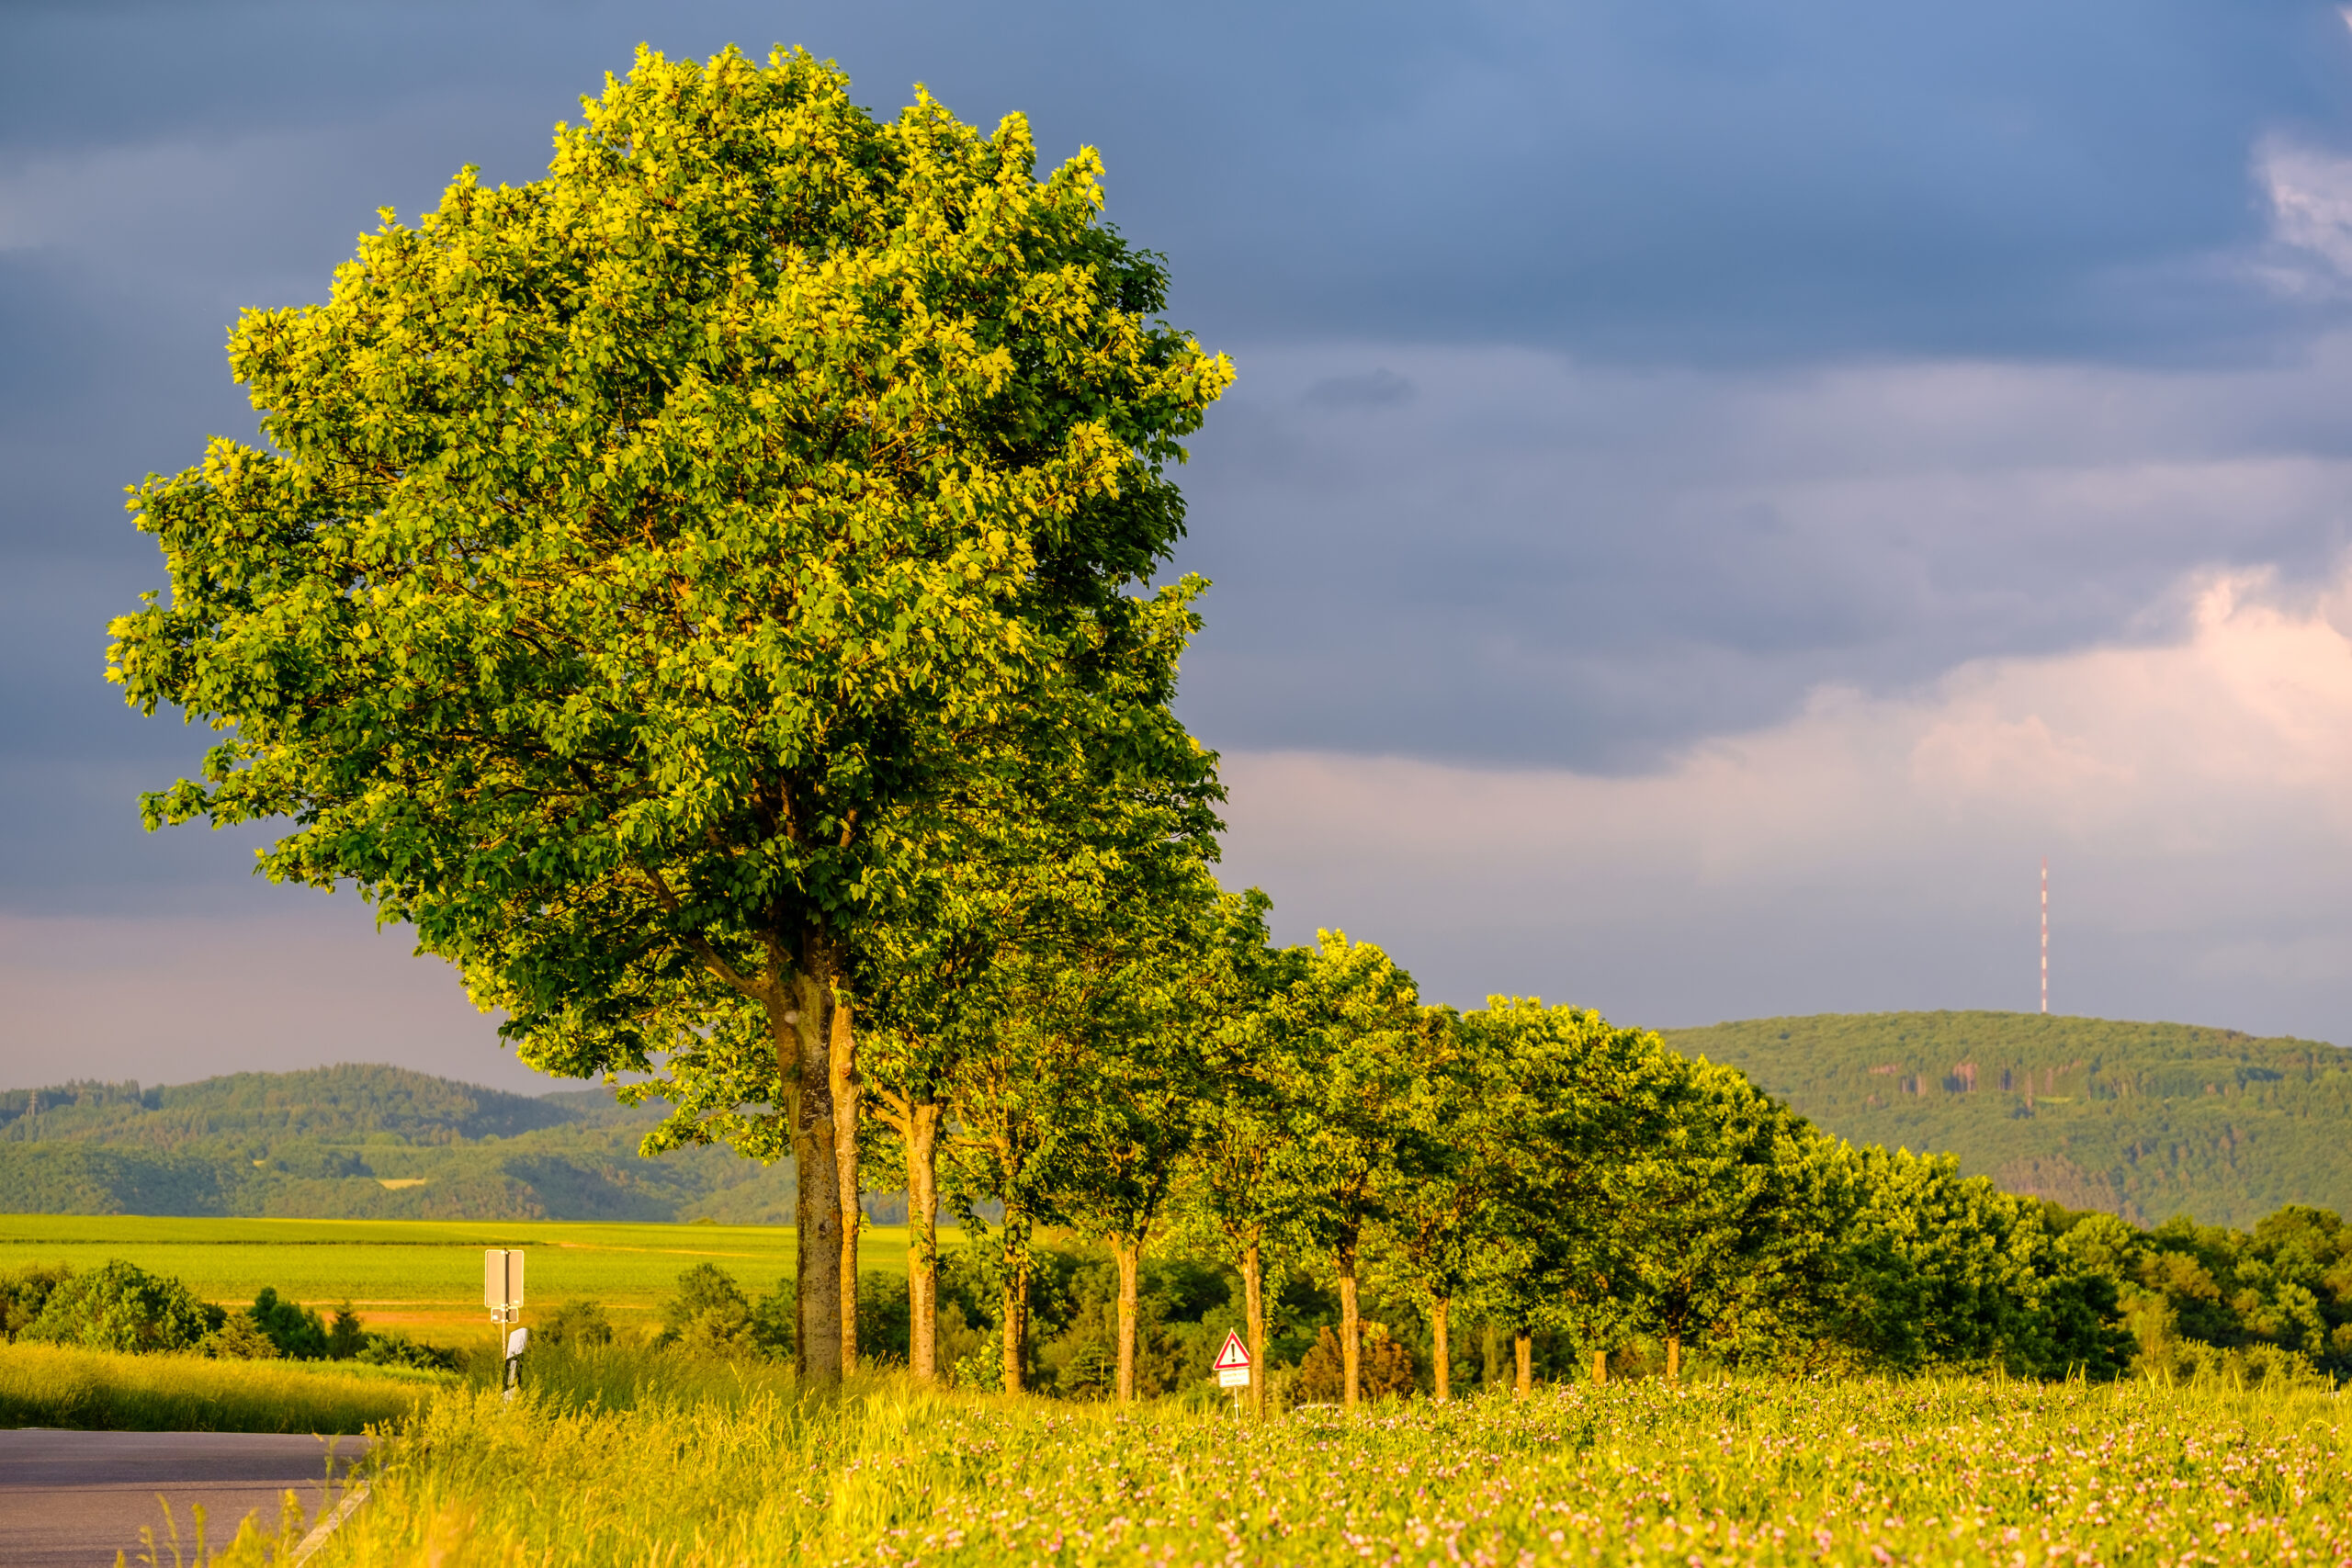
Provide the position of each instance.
(641, 557)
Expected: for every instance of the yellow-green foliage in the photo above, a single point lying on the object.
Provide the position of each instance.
(51, 1385)
(1735, 1473)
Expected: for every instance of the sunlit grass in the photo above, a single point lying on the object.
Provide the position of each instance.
(51, 1385)
(724, 1466)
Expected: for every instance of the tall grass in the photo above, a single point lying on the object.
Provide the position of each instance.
(51, 1385)
(742, 1469)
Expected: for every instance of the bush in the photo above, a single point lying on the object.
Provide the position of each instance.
(346, 1338)
(883, 1318)
(240, 1338)
(578, 1324)
(24, 1292)
(397, 1349)
(710, 1315)
(294, 1328)
(1383, 1367)
(121, 1307)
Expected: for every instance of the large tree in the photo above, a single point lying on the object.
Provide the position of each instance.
(1719, 1208)
(1029, 897)
(1349, 1035)
(1582, 1099)
(638, 555)
(1447, 1210)
(1232, 1192)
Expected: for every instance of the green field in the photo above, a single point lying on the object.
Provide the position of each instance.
(422, 1275)
(1781, 1472)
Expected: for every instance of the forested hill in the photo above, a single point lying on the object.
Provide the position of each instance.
(2141, 1120)
(359, 1142)
(323, 1102)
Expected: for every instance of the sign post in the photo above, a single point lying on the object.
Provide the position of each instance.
(1232, 1367)
(501, 1292)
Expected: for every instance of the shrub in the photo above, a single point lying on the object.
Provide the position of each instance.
(1383, 1367)
(883, 1318)
(120, 1306)
(710, 1315)
(773, 1321)
(578, 1324)
(240, 1338)
(294, 1328)
(24, 1292)
(346, 1338)
(397, 1349)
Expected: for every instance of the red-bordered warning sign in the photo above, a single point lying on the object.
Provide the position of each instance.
(1235, 1356)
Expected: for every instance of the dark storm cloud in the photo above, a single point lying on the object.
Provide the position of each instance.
(1614, 374)
(1541, 561)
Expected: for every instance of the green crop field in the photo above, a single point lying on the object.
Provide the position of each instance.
(1783, 1471)
(422, 1275)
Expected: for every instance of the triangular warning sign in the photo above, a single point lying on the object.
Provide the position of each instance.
(1235, 1354)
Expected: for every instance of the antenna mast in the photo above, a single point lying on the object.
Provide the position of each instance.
(2045, 933)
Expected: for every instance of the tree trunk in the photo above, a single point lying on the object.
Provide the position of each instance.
(1673, 1357)
(1443, 1349)
(1253, 1307)
(1016, 1326)
(802, 1027)
(922, 1239)
(1130, 1256)
(1522, 1345)
(1599, 1367)
(1349, 1355)
(841, 1076)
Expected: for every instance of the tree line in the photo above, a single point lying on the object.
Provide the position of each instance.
(1166, 1070)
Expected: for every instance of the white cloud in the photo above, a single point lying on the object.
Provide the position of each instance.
(2309, 193)
(2195, 798)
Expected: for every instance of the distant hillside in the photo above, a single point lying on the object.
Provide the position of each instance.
(360, 1142)
(2141, 1120)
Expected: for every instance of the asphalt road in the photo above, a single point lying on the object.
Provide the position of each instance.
(73, 1499)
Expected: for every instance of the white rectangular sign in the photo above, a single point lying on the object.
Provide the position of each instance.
(1233, 1377)
(501, 1278)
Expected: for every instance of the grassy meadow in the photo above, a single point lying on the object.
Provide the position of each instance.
(422, 1276)
(55, 1385)
(730, 1468)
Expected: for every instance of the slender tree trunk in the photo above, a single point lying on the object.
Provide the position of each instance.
(1522, 1345)
(1350, 1353)
(802, 1026)
(922, 1239)
(842, 1076)
(1600, 1367)
(1129, 1252)
(1673, 1357)
(1016, 1326)
(1254, 1308)
(1442, 1348)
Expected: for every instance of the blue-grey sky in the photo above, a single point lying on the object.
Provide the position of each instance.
(1713, 494)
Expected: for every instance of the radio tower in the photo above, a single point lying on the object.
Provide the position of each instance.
(2045, 933)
